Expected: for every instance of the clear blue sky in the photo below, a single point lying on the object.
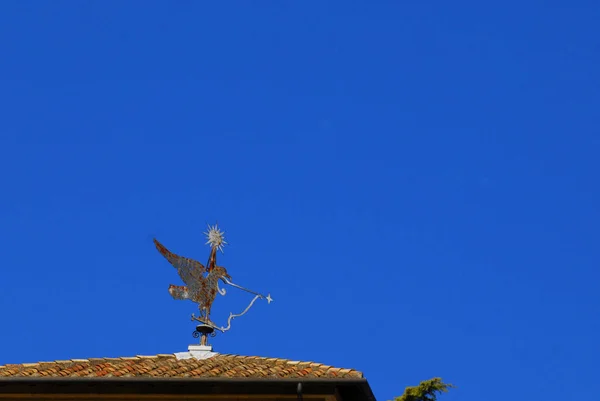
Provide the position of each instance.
(416, 184)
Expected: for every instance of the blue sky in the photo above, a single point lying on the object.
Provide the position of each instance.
(415, 183)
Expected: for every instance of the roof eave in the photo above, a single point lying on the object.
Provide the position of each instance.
(348, 389)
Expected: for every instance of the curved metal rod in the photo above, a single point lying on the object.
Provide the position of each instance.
(221, 291)
(245, 289)
(232, 316)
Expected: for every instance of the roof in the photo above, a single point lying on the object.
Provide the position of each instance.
(170, 366)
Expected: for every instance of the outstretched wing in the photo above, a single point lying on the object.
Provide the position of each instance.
(189, 270)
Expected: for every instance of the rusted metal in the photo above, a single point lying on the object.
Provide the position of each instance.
(203, 289)
(199, 289)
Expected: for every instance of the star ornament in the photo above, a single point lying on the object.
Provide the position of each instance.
(216, 237)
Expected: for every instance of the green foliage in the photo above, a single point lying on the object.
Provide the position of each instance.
(426, 390)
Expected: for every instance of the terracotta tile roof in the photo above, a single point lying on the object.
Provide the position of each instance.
(168, 365)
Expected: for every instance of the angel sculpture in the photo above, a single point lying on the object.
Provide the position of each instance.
(199, 289)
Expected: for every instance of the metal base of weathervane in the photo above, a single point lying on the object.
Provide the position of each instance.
(203, 331)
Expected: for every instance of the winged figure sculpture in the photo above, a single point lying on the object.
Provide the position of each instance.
(199, 288)
(202, 283)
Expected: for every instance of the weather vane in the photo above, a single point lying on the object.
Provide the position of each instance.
(203, 289)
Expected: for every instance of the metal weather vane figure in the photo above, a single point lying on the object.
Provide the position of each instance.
(203, 289)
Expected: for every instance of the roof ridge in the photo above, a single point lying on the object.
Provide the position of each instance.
(172, 365)
(269, 358)
(84, 360)
(312, 364)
